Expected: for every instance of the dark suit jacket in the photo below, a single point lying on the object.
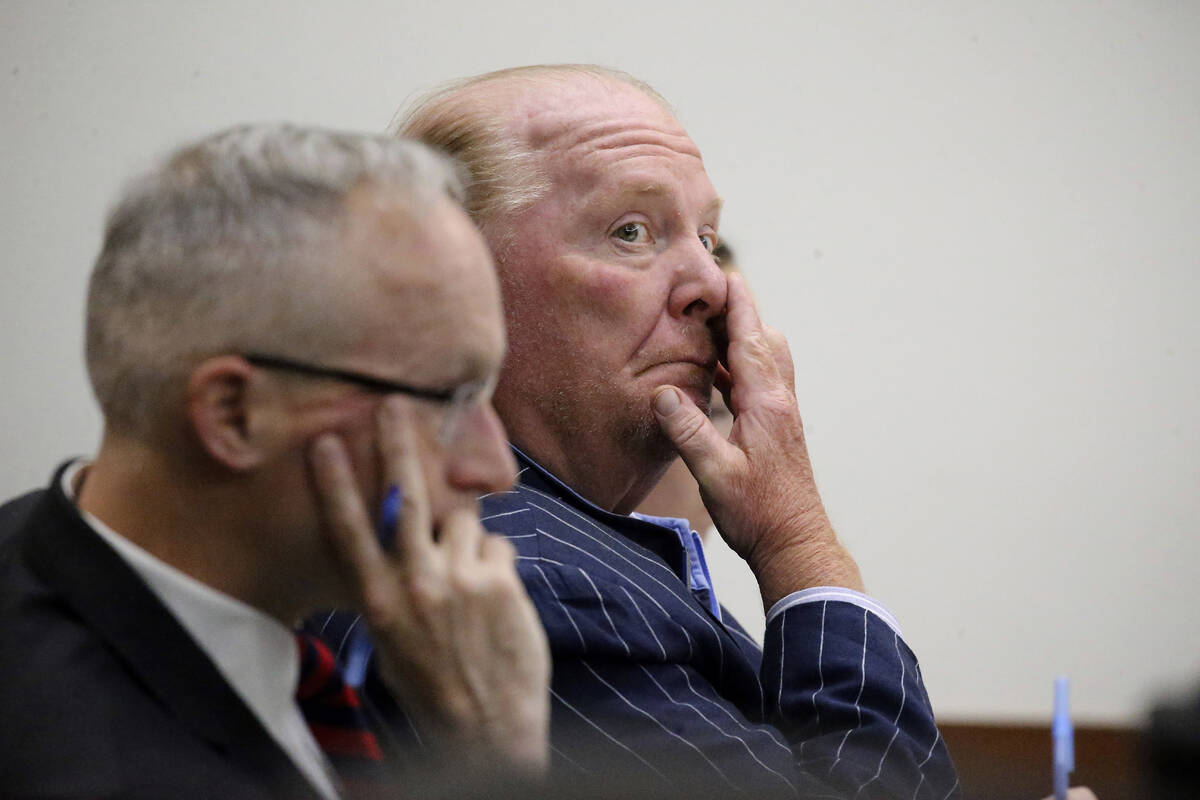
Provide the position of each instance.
(102, 693)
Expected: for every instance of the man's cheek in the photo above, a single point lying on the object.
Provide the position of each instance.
(616, 289)
(359, 436)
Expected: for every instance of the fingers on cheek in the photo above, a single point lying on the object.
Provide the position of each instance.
(327, 457)
(756, 365)
(757, 344)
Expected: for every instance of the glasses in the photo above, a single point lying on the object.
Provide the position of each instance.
(458, 401)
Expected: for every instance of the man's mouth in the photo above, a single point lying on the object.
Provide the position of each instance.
(706, 362)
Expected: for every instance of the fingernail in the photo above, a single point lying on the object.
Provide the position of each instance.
(666, 401)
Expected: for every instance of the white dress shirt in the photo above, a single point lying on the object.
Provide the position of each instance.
(254, 652)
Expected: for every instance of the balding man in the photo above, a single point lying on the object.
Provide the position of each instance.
(602, 221)
(287, 330)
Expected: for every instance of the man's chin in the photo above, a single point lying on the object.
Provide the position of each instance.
(701, 396)
(693, 380)
(699, 392)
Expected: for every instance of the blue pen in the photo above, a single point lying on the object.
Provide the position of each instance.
(359, 647)
(1064, 737)
(389, 515)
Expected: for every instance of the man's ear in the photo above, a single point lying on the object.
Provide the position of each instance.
(223, 406)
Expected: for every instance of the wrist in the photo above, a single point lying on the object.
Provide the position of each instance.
(803, 562)
(505, 735)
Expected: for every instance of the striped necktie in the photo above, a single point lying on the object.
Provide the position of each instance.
(333, 711)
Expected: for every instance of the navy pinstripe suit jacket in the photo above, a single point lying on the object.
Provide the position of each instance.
(651, 689)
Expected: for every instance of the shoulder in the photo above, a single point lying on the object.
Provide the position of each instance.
(525, 510)
(559, 537)
(14, 514)
(79, 711)
(79, 720)
(523, 507)
(508, 511)
(541, 524)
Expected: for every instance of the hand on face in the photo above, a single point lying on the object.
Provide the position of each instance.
(458, 641)
(758, 484)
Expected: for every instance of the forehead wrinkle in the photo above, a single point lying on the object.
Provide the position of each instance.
(604, 144)
(657, 189)
(563, 132)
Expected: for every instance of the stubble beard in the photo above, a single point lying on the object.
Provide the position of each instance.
(630, 427)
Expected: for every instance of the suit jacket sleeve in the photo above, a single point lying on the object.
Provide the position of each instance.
(846, 692)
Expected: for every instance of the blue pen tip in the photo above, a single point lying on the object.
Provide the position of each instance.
(389, 515)
(1063, 734)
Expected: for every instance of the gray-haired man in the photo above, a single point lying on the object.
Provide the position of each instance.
(283, 325)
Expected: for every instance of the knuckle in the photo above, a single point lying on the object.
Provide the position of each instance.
(776, 340)
(757, 349)
(378, 608)
(425, 592)
(501, 547)
(687, 429)
(464, 578)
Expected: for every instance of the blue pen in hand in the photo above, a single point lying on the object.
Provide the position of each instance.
(389, 515)
(358, 649)
(1064, 737)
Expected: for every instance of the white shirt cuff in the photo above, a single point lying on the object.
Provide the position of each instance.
(819, 594)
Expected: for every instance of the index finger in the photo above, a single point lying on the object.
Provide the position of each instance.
(345, 521)
(402, 467)
(751, 360)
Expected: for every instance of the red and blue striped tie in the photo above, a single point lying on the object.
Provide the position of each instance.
(333, 710)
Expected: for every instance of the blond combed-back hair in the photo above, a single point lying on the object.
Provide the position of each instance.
(462, 119)
(231, 245)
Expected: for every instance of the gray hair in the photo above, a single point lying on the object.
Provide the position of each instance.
(231, 245)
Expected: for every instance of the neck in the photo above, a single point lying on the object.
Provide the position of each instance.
(194, 518)
(610, 477)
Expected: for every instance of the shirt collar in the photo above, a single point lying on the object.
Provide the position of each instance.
(688, 558)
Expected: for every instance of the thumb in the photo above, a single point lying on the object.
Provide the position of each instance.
(696, 439)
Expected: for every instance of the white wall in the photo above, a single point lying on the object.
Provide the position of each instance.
(978, 223)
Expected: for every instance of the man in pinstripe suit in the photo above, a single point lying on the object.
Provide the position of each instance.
(602, 220)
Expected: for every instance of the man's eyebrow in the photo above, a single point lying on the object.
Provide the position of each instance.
(455, 369)
(661, 189)
(476, 368)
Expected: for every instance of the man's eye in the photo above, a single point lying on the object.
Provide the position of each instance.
(632, 232)
(710, 241)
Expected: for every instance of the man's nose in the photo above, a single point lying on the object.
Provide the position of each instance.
(480, 460)
(699, 290)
